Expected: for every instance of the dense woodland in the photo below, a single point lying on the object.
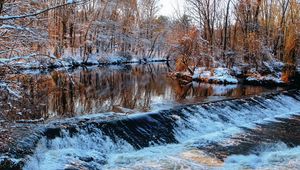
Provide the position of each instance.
(247, 32)
(81, 28)
(211, 33)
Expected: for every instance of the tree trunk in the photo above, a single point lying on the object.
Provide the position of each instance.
(225, 30)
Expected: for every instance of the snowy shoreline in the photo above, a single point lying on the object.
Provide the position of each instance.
(68, 63)
(227, 76)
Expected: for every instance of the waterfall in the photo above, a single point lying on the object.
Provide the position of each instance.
(208, 135)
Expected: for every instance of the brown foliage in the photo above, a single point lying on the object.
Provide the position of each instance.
(189, 50)
(291, 43)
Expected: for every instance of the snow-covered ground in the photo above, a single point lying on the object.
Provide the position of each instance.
(257, 78)
(271, 73)
(217, 75)
(37, 61)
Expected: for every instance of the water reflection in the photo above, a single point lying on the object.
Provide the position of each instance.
(125, 89)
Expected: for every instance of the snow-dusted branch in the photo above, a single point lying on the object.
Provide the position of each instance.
(6, 87)
(12, 27)
(6, 60)
(69, 2)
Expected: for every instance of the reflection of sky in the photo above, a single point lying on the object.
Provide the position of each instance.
(169, 7)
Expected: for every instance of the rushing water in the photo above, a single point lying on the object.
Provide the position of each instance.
(136, 117)
(255, 133)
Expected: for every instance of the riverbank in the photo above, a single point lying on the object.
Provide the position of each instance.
(50, 62)
(219, 75)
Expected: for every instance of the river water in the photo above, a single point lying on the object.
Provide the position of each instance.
(121, 89)
(154, 122)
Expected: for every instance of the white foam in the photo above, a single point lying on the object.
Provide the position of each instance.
(201, 127)
(210, 126)
(275, 156)
(66, 151)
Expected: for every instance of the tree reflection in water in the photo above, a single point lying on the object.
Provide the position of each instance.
(123, 89)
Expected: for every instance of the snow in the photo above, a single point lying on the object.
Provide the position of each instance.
(6, 87)
(201, 72)
(11, 27)
(69, 59)
(217, 75)
(269, 78)
(236, 70)
(222, 74)
(18, 60)
(4, 60)
(115, 59)
(274, 66)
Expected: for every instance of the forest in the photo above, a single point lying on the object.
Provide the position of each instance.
(149, 84)
(207, 33)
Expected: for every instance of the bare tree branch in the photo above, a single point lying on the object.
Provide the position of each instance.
(3, 18)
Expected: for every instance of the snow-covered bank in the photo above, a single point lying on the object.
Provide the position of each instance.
(267, 79)
(217, 75)
(37, 61)
(269, 76)
(213, 76)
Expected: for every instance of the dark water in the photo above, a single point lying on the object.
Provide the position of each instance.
(121, 89)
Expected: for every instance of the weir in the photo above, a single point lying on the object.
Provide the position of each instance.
(218, 129)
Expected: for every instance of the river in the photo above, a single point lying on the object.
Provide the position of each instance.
(136, 117)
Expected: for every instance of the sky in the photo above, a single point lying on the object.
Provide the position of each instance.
(169, 7)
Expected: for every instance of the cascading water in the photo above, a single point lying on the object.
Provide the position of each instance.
(232, 134)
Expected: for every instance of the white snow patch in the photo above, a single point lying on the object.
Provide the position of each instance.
(271, 78)
(218, 75)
